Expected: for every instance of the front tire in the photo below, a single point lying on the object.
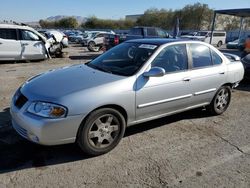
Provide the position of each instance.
(101, 132)
(93, 48)
(220, 101)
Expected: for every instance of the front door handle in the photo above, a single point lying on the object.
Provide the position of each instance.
(186, 79)
(222, 72)
(1, 43)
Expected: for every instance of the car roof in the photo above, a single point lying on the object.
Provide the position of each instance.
(156, 41)
(12, 26)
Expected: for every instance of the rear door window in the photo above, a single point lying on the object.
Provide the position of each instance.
(201, 56)
(9, 34)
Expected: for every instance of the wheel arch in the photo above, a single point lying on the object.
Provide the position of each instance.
(91, 41)
(115, 107)
(228, 84)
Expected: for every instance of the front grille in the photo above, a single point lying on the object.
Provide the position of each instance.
(20, 100)
(20, 130)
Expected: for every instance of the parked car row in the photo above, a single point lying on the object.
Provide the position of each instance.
(96, 40)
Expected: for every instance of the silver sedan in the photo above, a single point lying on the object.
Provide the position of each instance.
(136, 81)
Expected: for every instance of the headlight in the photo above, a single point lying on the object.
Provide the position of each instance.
(47, 110)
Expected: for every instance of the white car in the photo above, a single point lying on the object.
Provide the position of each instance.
(219, 37)
(60, 37)
(22, 43)
(95, 40)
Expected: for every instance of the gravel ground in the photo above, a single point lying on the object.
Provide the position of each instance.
(191, 149)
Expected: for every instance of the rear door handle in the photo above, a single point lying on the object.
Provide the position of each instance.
(1, 43)
(186, 79)
(25, 44)
(222, 72)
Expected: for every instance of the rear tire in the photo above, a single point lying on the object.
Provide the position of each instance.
(220, 101)
(219, 44)
(101, 132)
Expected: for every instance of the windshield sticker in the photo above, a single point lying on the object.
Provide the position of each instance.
(148, 46)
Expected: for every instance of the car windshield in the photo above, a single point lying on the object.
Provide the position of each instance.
(236, 41)
(124, 59)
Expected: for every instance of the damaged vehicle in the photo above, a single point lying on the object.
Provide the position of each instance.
(19, 42)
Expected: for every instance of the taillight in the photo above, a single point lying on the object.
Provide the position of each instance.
(116, 40)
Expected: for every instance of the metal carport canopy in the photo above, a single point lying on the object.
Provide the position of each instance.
(242, 13)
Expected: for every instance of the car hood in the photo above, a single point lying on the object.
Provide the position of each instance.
(58, 83)
(232, 43)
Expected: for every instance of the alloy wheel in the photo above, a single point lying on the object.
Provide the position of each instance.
(222, 99)
(103, 131)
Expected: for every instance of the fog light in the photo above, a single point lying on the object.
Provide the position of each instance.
(33, 137)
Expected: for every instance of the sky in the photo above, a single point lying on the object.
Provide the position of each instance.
(34, 10)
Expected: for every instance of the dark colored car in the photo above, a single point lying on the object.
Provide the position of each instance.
(111, 40)
(135, 33)
(146, 32)
(236, 44)
(246, 62)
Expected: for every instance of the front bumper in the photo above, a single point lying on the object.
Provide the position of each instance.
(44, 131)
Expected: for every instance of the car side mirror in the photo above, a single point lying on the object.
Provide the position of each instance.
(155, 72)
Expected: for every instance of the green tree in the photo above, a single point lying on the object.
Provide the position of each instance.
(69, 22)
(158, 18)
(197, 16)
(95, 23)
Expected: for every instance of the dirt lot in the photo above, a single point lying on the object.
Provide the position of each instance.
(191, 149)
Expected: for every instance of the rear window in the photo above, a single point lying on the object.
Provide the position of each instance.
(216, 58)
(9, 34)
